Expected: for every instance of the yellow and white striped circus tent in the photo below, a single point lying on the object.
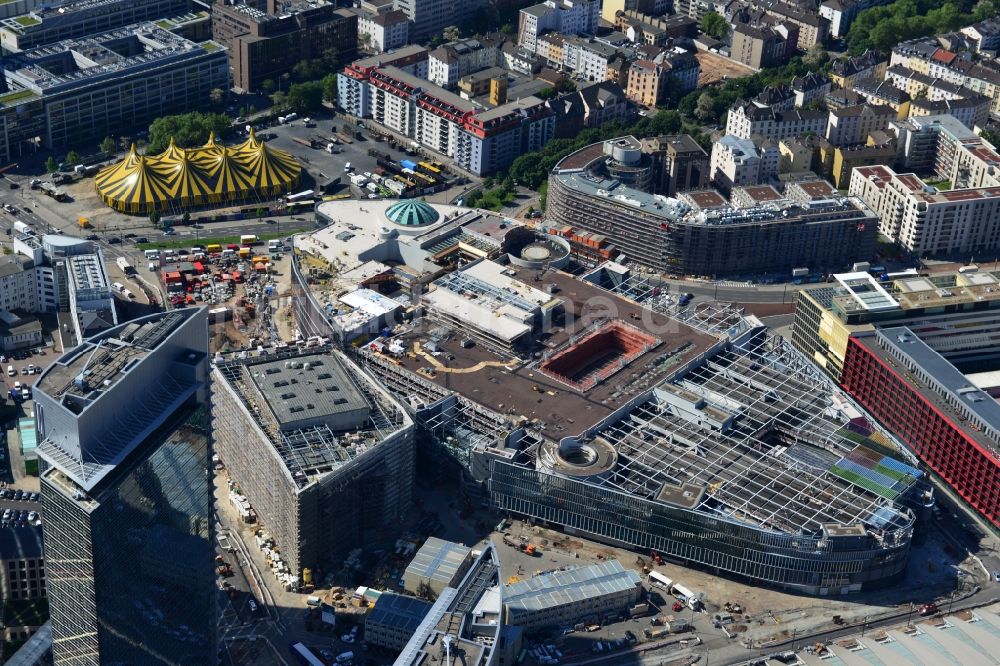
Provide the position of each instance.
(180, 178)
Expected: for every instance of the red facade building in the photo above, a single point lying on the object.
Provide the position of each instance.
(926, 402)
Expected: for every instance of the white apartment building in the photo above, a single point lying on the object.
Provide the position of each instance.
(353, 91)
(448, 63)
(925, 221)
(383, 31)
(747, 119)
(18, 290)
(479, 140)
(570, 17)
(738, 162)
(851, 125)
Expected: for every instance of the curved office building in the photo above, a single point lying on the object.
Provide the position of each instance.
(597, 190)
(734, 466)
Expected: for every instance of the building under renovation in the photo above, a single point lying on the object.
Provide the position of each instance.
(600, 196)
(324, 455)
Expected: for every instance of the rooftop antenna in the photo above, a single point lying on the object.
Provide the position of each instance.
(81, 379)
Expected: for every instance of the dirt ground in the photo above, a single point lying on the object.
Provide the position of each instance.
(715, 67)
(770, 614)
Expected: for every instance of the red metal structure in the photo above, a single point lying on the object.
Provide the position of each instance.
(945, 440)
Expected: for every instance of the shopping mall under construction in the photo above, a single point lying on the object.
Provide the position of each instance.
(588, 403)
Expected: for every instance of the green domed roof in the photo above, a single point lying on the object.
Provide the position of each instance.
(412, 213)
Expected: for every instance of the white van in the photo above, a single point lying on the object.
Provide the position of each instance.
(11, 372)
(348, 167)
(152, 254)
(313, 601)
(345, 657)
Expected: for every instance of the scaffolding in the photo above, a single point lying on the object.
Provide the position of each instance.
(315, 450)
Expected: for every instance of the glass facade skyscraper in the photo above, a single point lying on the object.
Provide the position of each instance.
(126, 477)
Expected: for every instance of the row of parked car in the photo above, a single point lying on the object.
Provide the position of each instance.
(30, 369)
(19, 518)
(20, 495)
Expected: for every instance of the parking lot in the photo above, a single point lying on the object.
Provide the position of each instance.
(323, 166)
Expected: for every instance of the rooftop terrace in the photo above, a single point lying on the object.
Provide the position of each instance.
(508, 385)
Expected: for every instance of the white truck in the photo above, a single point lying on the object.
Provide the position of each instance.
(125, 266)
(119, 287)
(20, 227)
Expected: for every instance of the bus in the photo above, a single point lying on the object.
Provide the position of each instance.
(300, 206)
(430, 167)
(248, 239)
(300, 196)
(305, 655)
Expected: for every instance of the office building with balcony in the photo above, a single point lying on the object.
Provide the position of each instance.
(324, 455)
(956, 314)
(125, 467)
(431, 17)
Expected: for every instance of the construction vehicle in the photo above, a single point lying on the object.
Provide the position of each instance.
(83, 222)
(678, 607)
(731, 607)
(656, 558)
(530, 549)
(51, 190)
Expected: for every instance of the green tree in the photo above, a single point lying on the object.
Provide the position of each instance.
(543, 195)
(51, 166)
(108, 145)
(306, 97)
(154, 218)
(883, 27)
(268, 86)
(991, 136)
(330, 88)
(72, 157)
(715, 25)
(217, 96)
(187, 129)
(279, 100)
(705, 109)
(331, 60)
(815, 57)
(186, 218)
